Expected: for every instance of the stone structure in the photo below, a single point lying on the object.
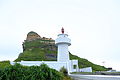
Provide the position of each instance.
(32, 36)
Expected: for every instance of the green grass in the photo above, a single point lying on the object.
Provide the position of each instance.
(35, 54)
(4, 64)
(36, 43)
(85, 63)
(29, 56)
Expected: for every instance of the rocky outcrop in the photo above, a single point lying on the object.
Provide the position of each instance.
(32, 36)
(34, 40)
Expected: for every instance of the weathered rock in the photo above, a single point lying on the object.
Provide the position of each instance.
(32, 36)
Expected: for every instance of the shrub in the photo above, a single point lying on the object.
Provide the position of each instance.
(19, 72)
(64, 71)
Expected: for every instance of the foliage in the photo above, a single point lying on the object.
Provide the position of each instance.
(64, 71)
(67, 78)
(19, 72)
(4, 64)
(36, 43)
(85, 63)
(35, 54)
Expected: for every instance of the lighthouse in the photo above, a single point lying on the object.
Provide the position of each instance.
(62, 42)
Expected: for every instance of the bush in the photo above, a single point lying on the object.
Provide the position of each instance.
(64, 71)
(19, 72)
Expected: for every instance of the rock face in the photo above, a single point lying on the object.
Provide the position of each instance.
(34, 40)
(32, 36)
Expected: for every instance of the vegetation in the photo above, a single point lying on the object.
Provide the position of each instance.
(38, 50)
(65, 73)
(37, 44)
(36, 54)
(85, 63)
(19, 72)
(4, 64)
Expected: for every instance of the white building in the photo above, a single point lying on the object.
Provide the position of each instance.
(87, 69)
(62, 57)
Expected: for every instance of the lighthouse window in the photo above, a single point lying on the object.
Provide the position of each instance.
(74, 66)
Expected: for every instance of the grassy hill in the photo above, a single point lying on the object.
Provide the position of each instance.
(44, 50)
(85, 63)
(4, 64)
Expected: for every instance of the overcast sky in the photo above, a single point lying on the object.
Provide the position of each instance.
(92, 25)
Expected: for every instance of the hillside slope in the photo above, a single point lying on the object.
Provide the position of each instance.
(44, 49)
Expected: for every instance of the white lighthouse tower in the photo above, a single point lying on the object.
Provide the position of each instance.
(63, 42)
